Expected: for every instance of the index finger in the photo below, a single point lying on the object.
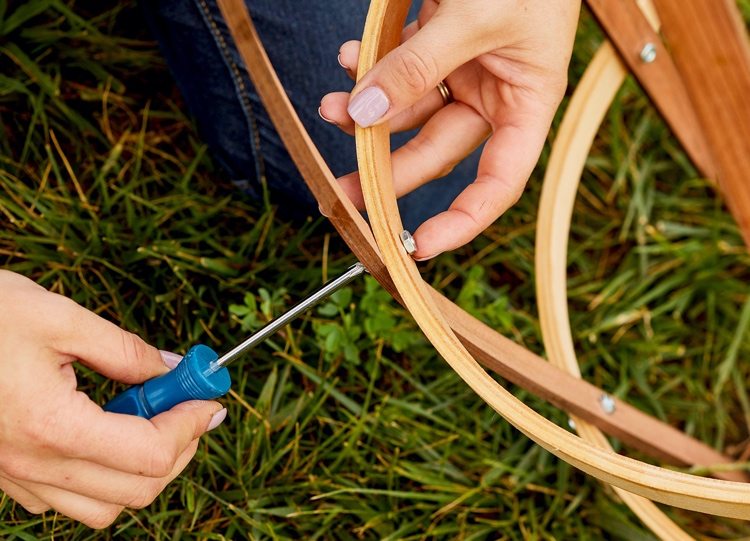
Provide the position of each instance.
(507, 161)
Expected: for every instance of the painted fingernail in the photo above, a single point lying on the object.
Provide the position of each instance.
(338, 59)
(369, 106)
(320, 114)
(170, 359)
(217, 419)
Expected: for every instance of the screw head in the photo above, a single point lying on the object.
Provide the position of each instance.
(607, 403)
(648, 53)
(408, 241)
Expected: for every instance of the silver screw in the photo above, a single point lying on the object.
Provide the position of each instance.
(408, 241)
(607, 403)
(648, 53)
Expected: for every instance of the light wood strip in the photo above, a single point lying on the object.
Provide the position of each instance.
(586, 110)
(373, 151)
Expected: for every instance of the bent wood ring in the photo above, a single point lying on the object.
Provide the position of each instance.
(595, 92)
(723, 498)
(493, 350)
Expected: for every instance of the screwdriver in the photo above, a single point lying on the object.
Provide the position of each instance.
(202, 374)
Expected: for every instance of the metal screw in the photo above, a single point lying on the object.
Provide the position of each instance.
(607, 403)
(408, 241)
(648, 53)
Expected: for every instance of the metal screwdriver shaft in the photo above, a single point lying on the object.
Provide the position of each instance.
(271, 327)
(202, 374)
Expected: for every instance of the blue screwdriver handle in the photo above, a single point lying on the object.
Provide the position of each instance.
(188, 381)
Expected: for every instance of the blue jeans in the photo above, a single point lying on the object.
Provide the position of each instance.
(302, 38)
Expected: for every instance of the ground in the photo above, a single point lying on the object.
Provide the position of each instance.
(338, 429)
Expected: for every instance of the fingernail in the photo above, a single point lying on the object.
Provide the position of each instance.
(425, 258)
(170, 359)
(320, 114)
(338, 59)
(321, 212)
(217, 419)
(369, 106)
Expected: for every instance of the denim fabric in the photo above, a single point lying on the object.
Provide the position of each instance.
(302, 39)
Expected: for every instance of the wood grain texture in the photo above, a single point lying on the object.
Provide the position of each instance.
(586, 110)
(629, 30)
(578, 397)
(495, 351)
(709, 44)
(528, 369)
(373, 152)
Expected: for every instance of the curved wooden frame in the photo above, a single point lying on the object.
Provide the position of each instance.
(494, 351)
(723, 498)
(593, 96)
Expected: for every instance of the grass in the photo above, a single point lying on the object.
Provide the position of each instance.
(336, 428)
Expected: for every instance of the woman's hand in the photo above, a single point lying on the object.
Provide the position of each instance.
(505, 62)
(60, 450)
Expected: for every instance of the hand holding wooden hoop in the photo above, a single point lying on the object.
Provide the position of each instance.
(390, 265)
(721, 498)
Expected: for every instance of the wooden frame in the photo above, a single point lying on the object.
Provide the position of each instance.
(439, 318)
(587, 108)
(594, 94)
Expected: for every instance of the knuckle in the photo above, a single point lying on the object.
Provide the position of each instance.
(426, 150)
(134, 352)
(419, 148)
(49, 430)
(161, 462)
(17, 467)
(509, 193)
(101, 517)
(47, 433)
(557, 89)
(416, 70)
(144, 496)
(516, 191)
(446, 169)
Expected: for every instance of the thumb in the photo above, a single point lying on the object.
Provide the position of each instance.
(409, 72)
(104, 347)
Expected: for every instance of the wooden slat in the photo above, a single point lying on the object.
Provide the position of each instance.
(709, 44)
(629, 30)
(579, 397)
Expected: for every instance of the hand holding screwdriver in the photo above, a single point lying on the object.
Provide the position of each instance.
(58, 449)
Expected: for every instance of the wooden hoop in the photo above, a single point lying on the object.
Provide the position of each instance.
(493, 350)
(593, 96)
(723, 498)
(587, 108)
